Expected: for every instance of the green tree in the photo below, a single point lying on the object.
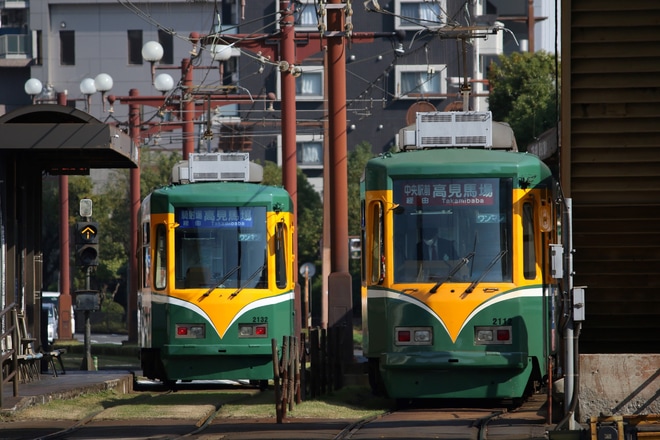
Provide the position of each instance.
(156, 169)
(357, 160)
(310, 212)
(111, 210)
(523, 93)
(50, 235)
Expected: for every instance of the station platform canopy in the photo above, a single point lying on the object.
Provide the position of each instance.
(65, 140)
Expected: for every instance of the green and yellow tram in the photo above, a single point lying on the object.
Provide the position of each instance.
(458, 299)
(215, 272)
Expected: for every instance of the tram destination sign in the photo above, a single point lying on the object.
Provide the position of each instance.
(214, 217)
(446, 192)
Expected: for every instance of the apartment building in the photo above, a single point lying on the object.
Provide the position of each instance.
(416, 61)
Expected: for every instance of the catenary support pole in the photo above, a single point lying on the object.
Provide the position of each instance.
(340, 313)
(65, 328)
(131, 296)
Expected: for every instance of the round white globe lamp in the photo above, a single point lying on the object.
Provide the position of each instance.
(103, 83)
(33, 87)
(164, 83)
(87, 88)
(152, 51)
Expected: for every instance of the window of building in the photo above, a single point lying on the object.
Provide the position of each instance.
(309, 151)
(166, 39)
(421, 81)
(305, 17)
(309, 85)
(417, 14)
(38, 56)
(230, 12)
(67, 48)
(134, 46)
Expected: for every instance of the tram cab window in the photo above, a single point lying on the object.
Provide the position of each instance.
(452, 230)
(221, 247)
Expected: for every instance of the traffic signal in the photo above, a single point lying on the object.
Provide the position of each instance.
(355, 248)
(87, 244)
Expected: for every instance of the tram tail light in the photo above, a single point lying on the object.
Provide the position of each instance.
(252, 330)
(413, 336)
(488, 335)
(190, 331)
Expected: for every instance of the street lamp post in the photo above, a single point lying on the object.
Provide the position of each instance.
(87, 88)
(34, 87)
(152, 51)
(103, 83)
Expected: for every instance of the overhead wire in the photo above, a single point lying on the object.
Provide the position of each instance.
(219, 36)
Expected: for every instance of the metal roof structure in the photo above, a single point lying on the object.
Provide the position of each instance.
(65, 140)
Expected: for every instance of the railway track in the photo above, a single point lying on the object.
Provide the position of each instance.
(505, 423)
(497, 422)
(112, 422)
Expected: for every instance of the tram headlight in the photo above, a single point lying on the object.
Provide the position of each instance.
(413, 336)
(252, 330)
(191, 331)
(487, 335)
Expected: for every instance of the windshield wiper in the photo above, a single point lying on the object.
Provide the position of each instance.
(225, 278)
(256, 272)
(497, 258)
(463, 261)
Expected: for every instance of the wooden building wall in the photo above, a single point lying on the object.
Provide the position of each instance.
(610, 166)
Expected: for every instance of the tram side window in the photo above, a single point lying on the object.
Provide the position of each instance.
(280, 256)
(363, 237)
(529, 244)
(377, 274)
(146, 255)
(160, 269)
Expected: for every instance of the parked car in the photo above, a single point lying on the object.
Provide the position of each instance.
(49, 310)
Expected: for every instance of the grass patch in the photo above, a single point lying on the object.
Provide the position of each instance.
(189, 405)
(76, 409)
(347, 403)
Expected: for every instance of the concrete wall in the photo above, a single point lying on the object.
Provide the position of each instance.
(619, 384)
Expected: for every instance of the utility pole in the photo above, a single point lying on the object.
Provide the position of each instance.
(340, 295)
(289, 161)
(289, 48)
(64, 331)
(191, 111)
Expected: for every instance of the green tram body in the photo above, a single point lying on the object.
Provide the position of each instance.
(216, 282)
(454, 328)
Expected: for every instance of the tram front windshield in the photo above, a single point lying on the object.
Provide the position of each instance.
(452, 230)
(221, 247)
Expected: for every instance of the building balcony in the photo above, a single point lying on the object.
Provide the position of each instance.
(14, 4)
(14, 46)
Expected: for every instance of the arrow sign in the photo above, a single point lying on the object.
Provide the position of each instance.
(87, 232)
